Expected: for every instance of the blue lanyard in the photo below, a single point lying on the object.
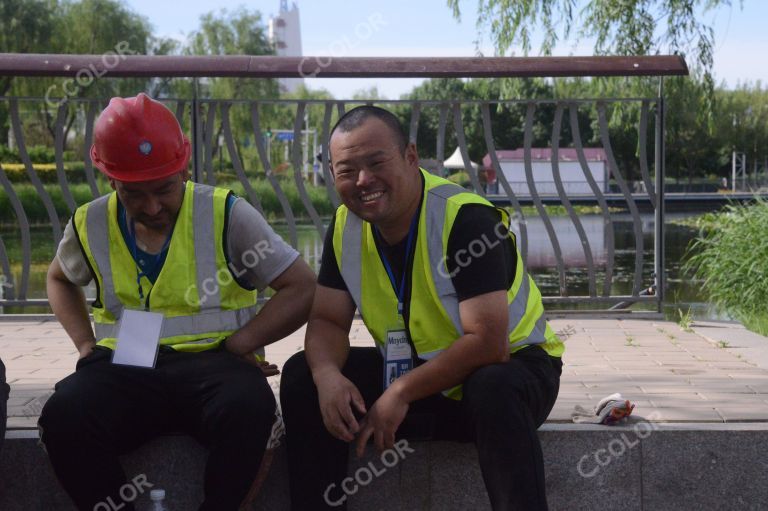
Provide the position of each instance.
(134, 251)
(400, 290)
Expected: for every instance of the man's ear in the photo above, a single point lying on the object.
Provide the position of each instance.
(412, 155)
(112, 183)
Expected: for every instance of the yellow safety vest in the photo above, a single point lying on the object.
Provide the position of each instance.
(433, 310)
(195, 290)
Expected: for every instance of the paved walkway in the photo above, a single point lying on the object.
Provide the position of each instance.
(716, 373)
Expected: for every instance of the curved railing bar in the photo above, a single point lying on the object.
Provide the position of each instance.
(90, 116)
(527, 142)
(491, 146)
(440, 150)
(264, 157)
(208, 142)
(7, 277)
(643, 141)
(604, 209)
(18, 133)
(637, 223)
(26, 244)
(297, 122)
(458, 125)
(58, 148)
(413, 130)
(556, 132)
(179, 112)
(326, 138)
(235, 157)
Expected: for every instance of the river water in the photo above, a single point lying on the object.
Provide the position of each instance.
(682, 293)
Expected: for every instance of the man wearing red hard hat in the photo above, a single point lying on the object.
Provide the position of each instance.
(177, 267)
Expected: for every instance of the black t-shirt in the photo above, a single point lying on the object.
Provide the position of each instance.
(481, 257)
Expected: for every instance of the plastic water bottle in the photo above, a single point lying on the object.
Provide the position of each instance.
(158, 500)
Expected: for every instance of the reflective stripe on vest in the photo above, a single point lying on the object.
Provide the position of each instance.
(195, 324)
(208, 318)
(526, 325)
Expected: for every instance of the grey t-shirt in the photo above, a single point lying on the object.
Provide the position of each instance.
(256, 253)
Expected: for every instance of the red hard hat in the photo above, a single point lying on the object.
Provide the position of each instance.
(139, 139)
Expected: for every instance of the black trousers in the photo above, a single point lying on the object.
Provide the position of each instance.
(4, 390)
(502, 406)
(105, 410)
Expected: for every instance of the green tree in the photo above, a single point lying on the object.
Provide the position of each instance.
(25, 27)
(621, 27)
(240, 32)
(741, 124)
(507, 118)
(96, 27)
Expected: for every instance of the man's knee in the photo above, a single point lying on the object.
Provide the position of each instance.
(296, 377)
(60, 419)
(487, 380)
(249, 396)
(488, 386)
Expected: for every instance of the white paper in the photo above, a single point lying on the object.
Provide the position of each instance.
(138, 338)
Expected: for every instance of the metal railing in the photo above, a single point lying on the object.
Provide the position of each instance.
(581, 259)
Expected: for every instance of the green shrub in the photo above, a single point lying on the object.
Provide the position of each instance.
(8, 155)
(730, 256)
(271, 205)
(35, 208)
(36, 213)
(41, 154)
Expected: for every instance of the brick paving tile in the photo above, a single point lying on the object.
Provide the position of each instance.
(733, 413)
(597, 363)
(687, 414)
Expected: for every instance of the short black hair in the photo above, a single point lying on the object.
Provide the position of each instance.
(355, 117)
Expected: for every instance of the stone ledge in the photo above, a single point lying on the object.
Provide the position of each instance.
(653, 466)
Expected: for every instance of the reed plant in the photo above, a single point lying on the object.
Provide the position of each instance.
(730, 258)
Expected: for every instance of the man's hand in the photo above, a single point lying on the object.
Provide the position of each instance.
(382, 421)
(335, 393)
(85, 349)
(267, 368)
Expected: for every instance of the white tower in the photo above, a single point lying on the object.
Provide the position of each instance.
(285, 33)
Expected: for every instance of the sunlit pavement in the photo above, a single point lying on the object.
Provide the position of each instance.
(716, 373)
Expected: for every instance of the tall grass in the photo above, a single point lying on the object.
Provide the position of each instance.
(730, 256)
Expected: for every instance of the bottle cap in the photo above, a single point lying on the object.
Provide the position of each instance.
(157, 494)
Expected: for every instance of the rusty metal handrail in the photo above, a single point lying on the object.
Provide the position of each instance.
(34, 64)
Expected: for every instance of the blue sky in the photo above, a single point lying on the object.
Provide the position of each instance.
(427, 28)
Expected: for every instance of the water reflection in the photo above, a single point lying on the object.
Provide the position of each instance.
(541, 259)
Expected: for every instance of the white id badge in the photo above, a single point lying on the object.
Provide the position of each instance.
(138, 338)
(399, 359)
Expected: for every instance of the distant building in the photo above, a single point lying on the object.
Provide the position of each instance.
(512, 164)
(284, 33)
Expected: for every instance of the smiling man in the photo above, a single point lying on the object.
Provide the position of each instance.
(462, 349)
(171, 352)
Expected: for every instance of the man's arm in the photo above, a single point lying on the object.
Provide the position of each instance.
(326, 348)
(68, 303)
(484, 320)
(283, 313)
